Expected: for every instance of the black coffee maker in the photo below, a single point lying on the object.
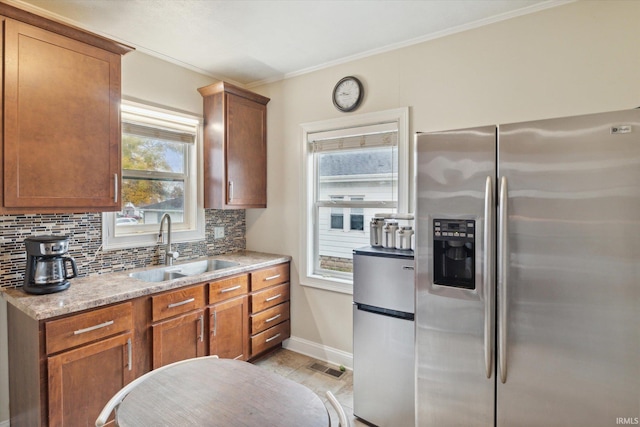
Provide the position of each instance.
(47, 264)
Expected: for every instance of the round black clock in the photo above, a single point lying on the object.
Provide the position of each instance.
(348, 94)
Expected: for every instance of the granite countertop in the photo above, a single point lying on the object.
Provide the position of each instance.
(95, 291)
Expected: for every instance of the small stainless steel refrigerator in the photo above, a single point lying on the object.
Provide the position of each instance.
(383, 336)
(528, 273)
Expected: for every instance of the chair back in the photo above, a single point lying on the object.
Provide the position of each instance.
(342, 415)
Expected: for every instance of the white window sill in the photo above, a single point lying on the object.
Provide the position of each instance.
(342, 286)
(144, 240)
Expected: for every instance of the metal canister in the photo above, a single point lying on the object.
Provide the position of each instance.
(375, 231)
(389, 233)
(403, 237)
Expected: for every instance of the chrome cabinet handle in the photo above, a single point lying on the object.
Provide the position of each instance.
(201, 320)
(115, 188)
(129, 352)
(93, 328)
(488, 276)
(407, 267)
(502, 279)
(234, 288)
(271, 319)
(272, 338)
(230, 191)
(266, 279)
(215, 323)
(273, 298)
(178, 304)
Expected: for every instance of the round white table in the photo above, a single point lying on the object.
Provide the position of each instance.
(221, 392)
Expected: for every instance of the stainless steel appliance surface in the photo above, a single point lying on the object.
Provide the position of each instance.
(527, 277)
(383, 336)
(48, 265)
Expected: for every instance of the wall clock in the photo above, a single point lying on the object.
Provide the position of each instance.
(348, 94)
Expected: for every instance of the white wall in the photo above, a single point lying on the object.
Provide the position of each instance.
(578, 58)
(146, 79)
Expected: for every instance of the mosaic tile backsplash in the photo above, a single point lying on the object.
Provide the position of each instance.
(85, 240)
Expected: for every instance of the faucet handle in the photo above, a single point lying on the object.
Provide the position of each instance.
(173, 254)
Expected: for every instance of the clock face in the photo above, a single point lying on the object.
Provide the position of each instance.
(348, 94)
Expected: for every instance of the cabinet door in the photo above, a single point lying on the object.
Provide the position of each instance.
(246, 153)
(62, 123)
(229, 329)
(178, 339)
(82, 381)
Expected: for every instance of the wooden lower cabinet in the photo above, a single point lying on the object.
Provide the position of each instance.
(269, 317)
(81, 381)
(270, 338)
(178, 338)
(62, 371)
(229, 329)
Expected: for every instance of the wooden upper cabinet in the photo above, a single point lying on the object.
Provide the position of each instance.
(235, 147)
(61, 136)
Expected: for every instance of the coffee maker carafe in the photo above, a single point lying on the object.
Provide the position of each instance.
(48, 265)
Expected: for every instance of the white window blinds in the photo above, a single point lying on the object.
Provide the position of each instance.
(372, 136)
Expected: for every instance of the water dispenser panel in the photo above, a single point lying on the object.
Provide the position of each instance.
(454, 252)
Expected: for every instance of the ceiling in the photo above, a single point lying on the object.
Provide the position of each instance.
(257, 41)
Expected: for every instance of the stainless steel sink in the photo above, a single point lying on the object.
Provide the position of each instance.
(199, 267)
(162, 274)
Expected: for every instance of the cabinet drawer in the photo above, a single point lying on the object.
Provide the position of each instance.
(270, 317)
(269, 297)
(270, 276)
(177, 302)
(83, 328)
(270, 338)
(228, 288)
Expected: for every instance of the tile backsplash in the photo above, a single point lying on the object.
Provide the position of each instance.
(85, 240)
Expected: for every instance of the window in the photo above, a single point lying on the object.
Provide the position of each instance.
(351, 219)
(337, 215)
(159, 175)
(355, 167)
(356, 216)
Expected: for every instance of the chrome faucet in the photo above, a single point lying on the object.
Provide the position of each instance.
(169, 255)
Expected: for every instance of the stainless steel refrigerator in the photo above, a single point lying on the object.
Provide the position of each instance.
(528, 273)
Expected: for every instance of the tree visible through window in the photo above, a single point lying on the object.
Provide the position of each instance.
(159, 175)
(154, 167)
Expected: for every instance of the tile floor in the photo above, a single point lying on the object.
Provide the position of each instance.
(296, 367)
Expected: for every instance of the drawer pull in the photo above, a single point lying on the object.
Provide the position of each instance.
(201, 321)
(272, 298)
(266, 279)
(271, 319)
(233, 288)
(178, 304)
(272, 338)
(407, 267)
(93, 328)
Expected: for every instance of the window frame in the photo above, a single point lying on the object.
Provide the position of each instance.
(309, 232)
(146, 234)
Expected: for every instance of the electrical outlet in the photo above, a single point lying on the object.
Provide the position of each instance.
(218, 232)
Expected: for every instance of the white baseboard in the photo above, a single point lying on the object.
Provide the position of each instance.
(319, 351)
(5, 423)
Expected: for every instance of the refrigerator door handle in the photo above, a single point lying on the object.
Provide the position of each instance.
(503, 253)
(488, 275)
